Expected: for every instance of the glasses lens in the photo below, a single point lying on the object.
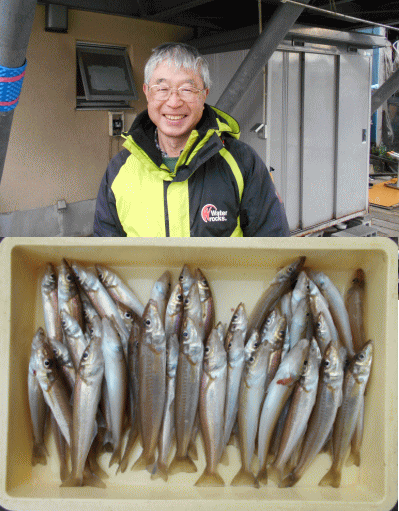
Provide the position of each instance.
(162, 93)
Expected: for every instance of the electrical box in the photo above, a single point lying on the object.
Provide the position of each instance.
(116, 123)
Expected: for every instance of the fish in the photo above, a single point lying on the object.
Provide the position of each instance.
(299, 321)
(64, 361)
(37, 403)
(115, 376)
(168, 423)
(337, 307)
(251, 345)
(211, 407)
(234, 346)
(207, 304)
(354, 304)
(328, 400)
(118, 289)
(174, 312)
(100, 298)
(160, 293)
(277, 395)
(281, 283)
(54, 388)
(272, 335)
(68, 293)
(189, 370)
(186, 279)
(61, 447)
(193, 309)
(49, 293)
(86, 398)
(252, 391)
(300, 290)
(322, 332)
(301, 406)
(152, 383)
(74, 337)
(355, 381)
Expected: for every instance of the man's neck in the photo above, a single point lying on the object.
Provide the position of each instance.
(171, 146)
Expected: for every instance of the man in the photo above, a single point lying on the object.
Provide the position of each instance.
(183, 172)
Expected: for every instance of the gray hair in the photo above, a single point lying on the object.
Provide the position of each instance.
(180, 55)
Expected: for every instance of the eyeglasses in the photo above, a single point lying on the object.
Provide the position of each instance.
(186, 93)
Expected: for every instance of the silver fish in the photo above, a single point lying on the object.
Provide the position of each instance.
(68, 293)
(118, 289)
(354, 304)
(234, 346)
(49, 292)
(280, 284)
(174, 312)
(193, 309)
(186, 279)
(355, 381)
(299, 321)
(86, 397)
(328, 400)
(188, 376)
(208, 308)
(37, 403)
(337, 307)
(74, 337)
(168, 424)
(152, 376)
(160, 293)
(115, 375)
(278, 392)
(211, 407)
(300, 290)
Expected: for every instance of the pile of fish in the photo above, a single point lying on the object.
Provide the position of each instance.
(287, 381)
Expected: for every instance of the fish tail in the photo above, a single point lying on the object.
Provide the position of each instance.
(192, 450)
(144, 462)
(275, 474)
(353, 459)
(262, 476)
(224, 458)
(245, 478)
(39, 454)
(86, 479)
(95, 467)
(210, 479)
(160, 470)
(116, 456)
(290, 480)
(332, 478)
(133, 434)
(182, 464)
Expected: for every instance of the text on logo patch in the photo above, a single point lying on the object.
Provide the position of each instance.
(210, 213)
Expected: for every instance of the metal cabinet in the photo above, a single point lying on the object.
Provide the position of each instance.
(316, 105)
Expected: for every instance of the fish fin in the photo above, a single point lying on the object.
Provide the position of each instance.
(233, 440)
(88, 479)
(275, 474)
(182, 464)
(144, 462)
(160, 470)
(116, 456)
(210, 479)
(39, 454)
(353, 459)
(290, 480)
(131, 440)
(245, 478)
(262, 476)
(332, 478)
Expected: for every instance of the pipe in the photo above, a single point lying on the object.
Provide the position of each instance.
(389, 87)
(273, 34)
(16, 20)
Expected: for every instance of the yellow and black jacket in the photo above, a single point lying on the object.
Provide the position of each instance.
(220, 186)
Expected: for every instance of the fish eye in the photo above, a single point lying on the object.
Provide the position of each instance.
(360, 356)
(47, 363)
(282, 332)
(85, 355)
(63, 322)
(187, 301)
(91, 331)
(305, 362)
(185, 334)
(256, 344)
(52, 276)
(235, 317)
(326, 363)
(207, 349)
(229, 345)
(128, 315)
(251, 359)
(181, 278)
(179, 297)
(69, 277)
(148, 322)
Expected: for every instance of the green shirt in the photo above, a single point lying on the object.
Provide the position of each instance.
(170, 162)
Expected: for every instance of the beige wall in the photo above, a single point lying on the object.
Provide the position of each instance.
(56, 152)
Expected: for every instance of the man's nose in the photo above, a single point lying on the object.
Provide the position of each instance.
(174, 98)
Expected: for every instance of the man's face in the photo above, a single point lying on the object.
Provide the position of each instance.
(174, 117)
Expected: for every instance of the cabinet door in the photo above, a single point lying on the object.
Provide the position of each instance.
(353, 134)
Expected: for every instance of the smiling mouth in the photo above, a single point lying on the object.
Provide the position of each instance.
(174, 117)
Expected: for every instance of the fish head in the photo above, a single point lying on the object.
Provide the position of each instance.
(39, 338)
(270, 323)
(69, 324)
(221, 328)
(60, 352)
(239, 320)
(361, 363)
(44, 366)
(49, 281)
(86, 278)
(175, 302)
(186, 279)
(190, 341)
(106, 277)
(203, 285)
(322, 328)
(214, 353)
(152, 329)
(92, 360)
(278, 334)
(331, 364)
(192, 301)
(66, 280)
(252, 344)
(127, 314)
(291, 271)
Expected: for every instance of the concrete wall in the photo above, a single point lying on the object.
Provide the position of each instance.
(56, 152)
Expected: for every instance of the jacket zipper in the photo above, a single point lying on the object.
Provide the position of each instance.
(165, 205)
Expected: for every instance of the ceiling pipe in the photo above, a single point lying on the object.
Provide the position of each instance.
(389, 87)
(16, 20)
(282, 20)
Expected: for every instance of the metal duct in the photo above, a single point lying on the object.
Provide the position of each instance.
(16, 20)
(265, 45)
(389, 87)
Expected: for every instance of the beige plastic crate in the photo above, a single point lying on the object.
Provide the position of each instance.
(238, 270)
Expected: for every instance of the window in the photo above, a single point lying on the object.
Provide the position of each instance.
(104, 77)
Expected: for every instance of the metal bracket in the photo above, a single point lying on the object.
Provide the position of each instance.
(260, 129)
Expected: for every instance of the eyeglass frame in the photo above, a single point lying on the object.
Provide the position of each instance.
(177, 89)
